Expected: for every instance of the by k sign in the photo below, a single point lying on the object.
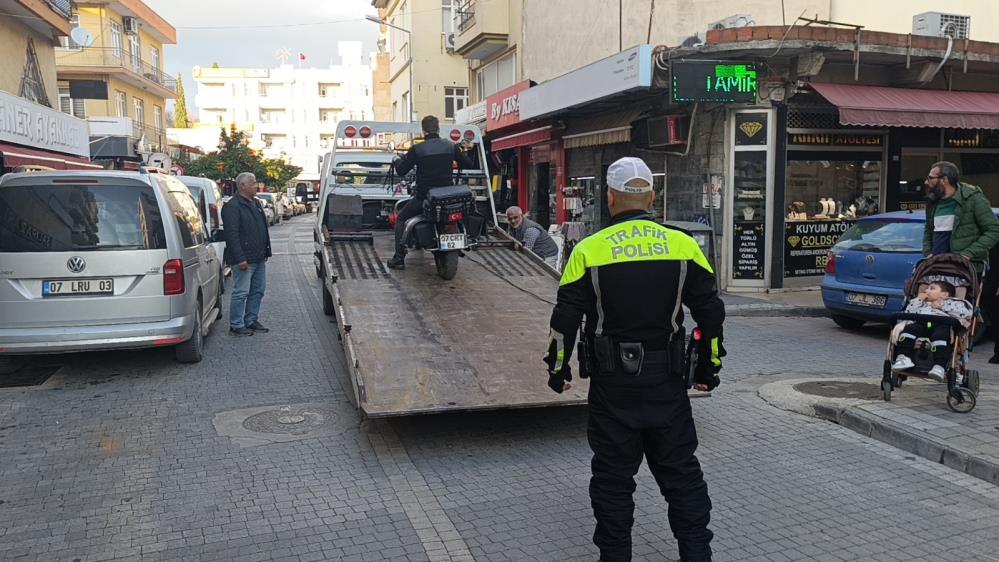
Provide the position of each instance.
(503, 107)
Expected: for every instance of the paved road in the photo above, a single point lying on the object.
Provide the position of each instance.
(126, 456)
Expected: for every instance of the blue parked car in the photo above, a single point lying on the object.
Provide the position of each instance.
(869, 265)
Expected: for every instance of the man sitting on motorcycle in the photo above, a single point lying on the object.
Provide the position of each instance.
(433, 160)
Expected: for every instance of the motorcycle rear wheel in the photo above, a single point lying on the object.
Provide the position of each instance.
(447, 264)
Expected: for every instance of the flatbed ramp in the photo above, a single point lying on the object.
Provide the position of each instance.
(418, 344)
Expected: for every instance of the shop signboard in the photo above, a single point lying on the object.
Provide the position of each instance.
(471, 115)
(30, 124)
(749, 250)
(622, 72)
(835, 139)
(713, 82)
(503, 107)
(807, 245)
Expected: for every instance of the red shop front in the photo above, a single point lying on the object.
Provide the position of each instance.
(529, 157)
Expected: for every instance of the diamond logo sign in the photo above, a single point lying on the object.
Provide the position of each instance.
(751, 128)
(793, 241)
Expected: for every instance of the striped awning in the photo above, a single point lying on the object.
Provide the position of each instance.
(598, 130)
(14, 156)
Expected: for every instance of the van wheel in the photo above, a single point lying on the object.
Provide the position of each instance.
(10, 364)
(327, 301)
(847, 322)
(192, 351)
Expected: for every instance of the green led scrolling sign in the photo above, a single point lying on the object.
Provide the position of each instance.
(714, 82)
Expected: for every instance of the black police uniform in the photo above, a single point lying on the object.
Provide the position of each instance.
(432, 158)
(629, 280)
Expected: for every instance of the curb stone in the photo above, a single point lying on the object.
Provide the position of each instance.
(853, 417)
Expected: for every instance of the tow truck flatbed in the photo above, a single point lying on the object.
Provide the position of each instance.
(418, 344)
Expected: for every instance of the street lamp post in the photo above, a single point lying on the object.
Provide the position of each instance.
(409, 62)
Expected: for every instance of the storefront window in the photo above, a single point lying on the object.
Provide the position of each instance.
(978, 168)
(912, 178)
(825, 189)
(581, 203)
(749, 233)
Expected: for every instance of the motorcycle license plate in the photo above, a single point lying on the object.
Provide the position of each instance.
(452, 241)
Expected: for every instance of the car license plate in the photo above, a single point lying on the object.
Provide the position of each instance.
(59, 287)
(863, 299)
(452, 241)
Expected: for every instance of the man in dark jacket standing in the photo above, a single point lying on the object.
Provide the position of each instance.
(959, 219)
(248, 245)
(433, 159)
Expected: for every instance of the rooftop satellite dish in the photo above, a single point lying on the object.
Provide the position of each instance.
(81, 37)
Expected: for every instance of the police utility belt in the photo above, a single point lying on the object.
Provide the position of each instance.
(606, 356)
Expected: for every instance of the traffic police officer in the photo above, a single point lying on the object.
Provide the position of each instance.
(629, 281)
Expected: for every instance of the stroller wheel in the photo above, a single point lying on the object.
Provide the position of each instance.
(972, 381)
(961, 400)
(886, 390)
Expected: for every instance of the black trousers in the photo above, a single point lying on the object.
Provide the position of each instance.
(907, 345)
(630, 420)
(412, 208)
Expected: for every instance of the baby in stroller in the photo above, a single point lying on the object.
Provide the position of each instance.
(936, 300)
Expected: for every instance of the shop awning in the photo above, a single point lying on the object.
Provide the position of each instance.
(609, 128)
(14, 156)
(525, 138)
(901, 107)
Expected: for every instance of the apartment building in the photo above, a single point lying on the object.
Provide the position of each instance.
(32, 132)
(117, 82)
(425, 72)
(288, 112)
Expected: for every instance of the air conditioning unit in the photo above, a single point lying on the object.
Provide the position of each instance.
(738, 20)
(131, 25)
(449, 42)
(668, 130)
(938, 24)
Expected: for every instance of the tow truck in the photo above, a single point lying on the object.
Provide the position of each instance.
(415, 343)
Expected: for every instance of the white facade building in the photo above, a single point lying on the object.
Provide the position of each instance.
(287, 111)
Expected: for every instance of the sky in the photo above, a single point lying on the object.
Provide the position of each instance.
(241, 45)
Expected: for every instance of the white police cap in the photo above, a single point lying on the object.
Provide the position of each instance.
(627, 169)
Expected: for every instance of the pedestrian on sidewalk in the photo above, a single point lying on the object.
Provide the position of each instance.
(629, 281)
(248, 245)
(959, 218)
(532, 236)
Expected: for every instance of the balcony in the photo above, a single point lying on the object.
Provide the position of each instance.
(73, 63)
(482, 29)
(153, 138)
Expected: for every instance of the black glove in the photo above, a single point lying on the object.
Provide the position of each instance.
(709, 364)
(555, 358)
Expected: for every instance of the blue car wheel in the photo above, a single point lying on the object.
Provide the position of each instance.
(847, 322)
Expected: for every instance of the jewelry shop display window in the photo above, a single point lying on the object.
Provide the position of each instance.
(974, 151)
(750, 197)
(833, 178)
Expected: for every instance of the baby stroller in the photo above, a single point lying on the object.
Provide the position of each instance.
(962, 383)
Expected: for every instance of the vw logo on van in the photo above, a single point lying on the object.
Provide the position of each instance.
(76, 264)
(869, 260)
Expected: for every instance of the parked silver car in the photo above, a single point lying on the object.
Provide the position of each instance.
(103, 260)
(209, 198)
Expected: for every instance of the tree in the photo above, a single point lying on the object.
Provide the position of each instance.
(180, 119)
(235, 156)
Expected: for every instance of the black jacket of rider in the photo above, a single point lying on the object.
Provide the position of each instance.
(432, 158)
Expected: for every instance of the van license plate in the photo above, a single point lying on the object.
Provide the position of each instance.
(452, 241)
(863, 299)
(59, 287)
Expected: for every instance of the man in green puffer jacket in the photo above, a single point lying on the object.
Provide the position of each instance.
(959, 219)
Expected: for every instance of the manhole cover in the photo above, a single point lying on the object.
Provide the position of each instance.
(289, 420)
(27, 376)
(841, 389)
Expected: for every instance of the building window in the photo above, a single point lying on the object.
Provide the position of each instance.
(76, 108)
(122, 100)
(116, 43)
(154, 59)
(402, 20)
(328, 90)
(497, 75)
(447, 17)
(405, 107)
(454, 99)
(395, 111)
(329, 115)
(139, 111)
(157, 117)
(135, 51)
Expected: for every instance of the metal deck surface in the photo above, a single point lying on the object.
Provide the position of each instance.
(418, 343)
